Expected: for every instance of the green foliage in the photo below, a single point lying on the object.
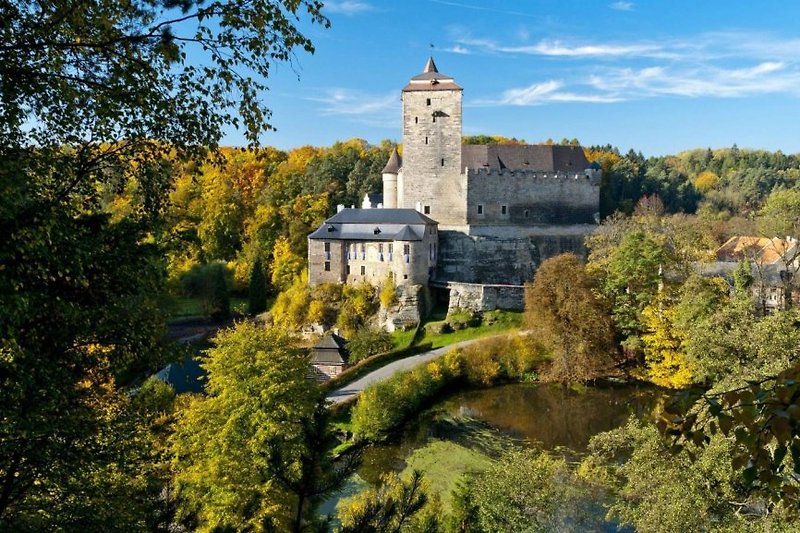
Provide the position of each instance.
(233, 448)
(632, 279)
(567, 318)
(211, 283)
(257, 289)
(525, 490)
(490, 139)
(367, 342)
(657, 491)
(390, 507)
(382, 407)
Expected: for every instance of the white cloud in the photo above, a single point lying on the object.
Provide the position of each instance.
(546, 92)
(763, 78)
(561, 49)
(347, 7)
(362, 107)
(622, 6)
(457, 49)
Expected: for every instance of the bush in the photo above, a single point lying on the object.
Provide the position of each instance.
(381, 408)
(388, 295)
(367, 342)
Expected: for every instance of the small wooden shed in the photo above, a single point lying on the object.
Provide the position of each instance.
(328, 357)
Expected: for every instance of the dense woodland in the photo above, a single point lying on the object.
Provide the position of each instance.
(117, 201)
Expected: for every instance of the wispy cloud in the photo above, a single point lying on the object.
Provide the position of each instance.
(763, 78)
(347, 7)
(546, 92)
(622, 6)
(482, 8)
(554, 48)
(362, 107)
(456, 49)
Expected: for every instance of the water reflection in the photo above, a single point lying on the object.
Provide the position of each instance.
(550, 416)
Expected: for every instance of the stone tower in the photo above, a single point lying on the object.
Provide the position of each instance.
(431, 178)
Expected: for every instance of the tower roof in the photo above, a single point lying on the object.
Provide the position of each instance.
(430, 66)
(431, 80)
(394, 163)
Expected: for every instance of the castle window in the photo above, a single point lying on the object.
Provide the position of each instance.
(427, 101)
(442, 161)
(405, 276)
(328, 251)
(363, 270)
(426, 142)
(348, 270)
(480, 209)
(327, 266)
(426, 210)
(416, 120)
(380, 251)
(527, 213)
(406, 249)
(503, 209)
(434, 117)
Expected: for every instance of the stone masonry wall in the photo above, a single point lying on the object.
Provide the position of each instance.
(431, 174)
(507, 258)
(531, 198)
(478, 297)
(317, 257)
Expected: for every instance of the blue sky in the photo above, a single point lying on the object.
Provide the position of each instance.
(656, 76)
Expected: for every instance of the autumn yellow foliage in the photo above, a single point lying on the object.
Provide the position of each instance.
(666, 363)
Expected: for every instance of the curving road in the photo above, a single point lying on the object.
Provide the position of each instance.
(354, 389)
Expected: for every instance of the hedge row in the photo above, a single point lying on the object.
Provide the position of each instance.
(383, 407)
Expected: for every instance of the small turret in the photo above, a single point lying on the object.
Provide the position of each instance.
(390, 180)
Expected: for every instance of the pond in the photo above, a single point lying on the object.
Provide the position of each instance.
(460, 430)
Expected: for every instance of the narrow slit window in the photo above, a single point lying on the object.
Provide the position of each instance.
(434, 118)
(327, 266)
(363, 270)
(442, 161)
(426, 140)
(503, 209)
(427, 101)
(416, 120)
(480, 209)
(427, 210)
(527, 213)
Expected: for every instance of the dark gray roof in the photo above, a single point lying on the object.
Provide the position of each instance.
(541, 157)
(329, 350)
(379, 216)
(394, 163)
(366, 232)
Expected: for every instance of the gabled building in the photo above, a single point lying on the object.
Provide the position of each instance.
(328, 358)
(358, 245)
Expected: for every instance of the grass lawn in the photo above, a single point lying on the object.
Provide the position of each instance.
(401, 339)
(444, 463)
(502, 321)
(182, 307)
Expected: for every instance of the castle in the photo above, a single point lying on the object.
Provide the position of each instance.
(473, 221)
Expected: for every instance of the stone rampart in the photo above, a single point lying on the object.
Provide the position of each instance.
(479, 297)
(500, 257)
(526, 197)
